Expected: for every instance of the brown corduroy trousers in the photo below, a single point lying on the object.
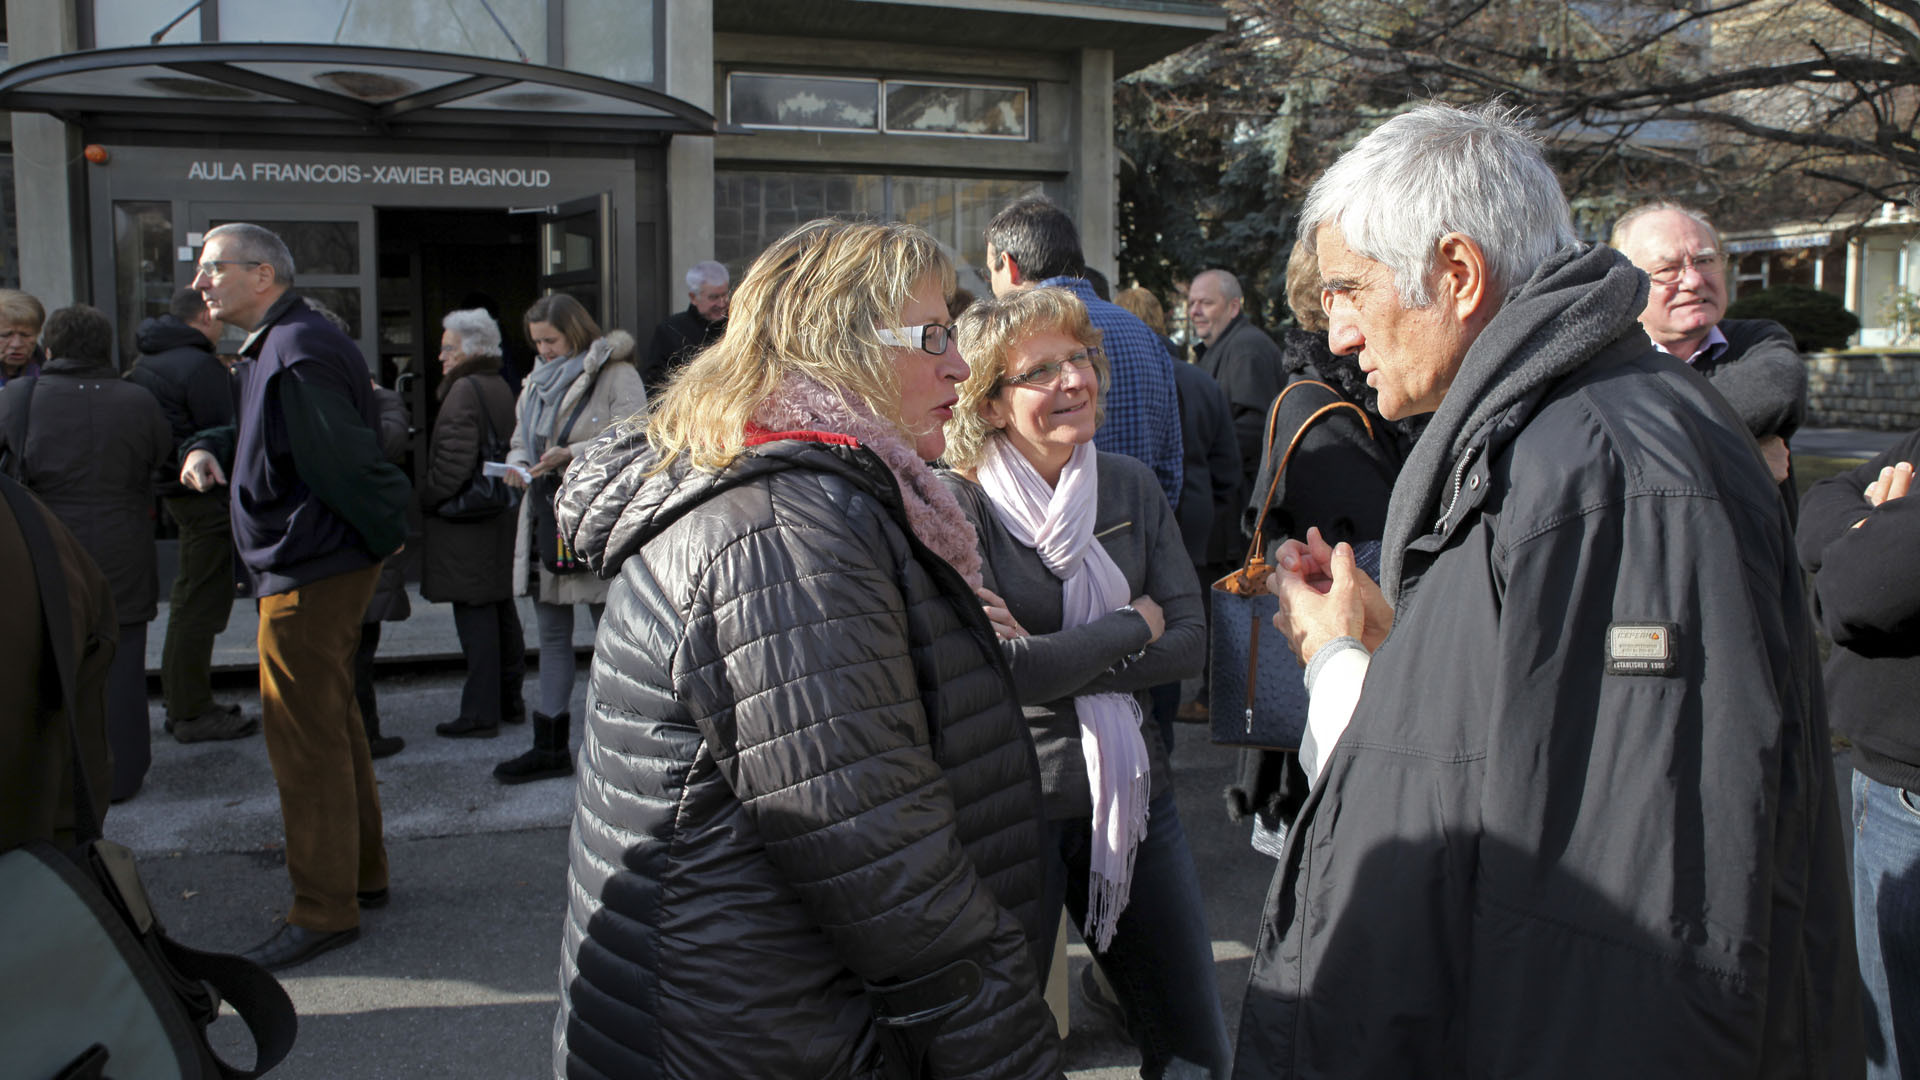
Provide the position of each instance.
(328, 800)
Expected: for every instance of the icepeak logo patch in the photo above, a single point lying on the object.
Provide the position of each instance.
(1642, 648)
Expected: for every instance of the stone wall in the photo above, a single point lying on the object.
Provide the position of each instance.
(1878, 390)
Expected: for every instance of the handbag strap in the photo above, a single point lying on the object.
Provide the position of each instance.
(17, 434)
(1255, 551)
(562, 434)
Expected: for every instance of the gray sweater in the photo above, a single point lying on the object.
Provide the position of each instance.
(1051, 666)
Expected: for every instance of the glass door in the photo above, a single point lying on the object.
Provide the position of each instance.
(333, 259)
(576, 241)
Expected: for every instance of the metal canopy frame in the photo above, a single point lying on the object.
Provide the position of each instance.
(304, 108)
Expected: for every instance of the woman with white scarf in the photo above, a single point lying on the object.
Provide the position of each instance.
(1102, 605)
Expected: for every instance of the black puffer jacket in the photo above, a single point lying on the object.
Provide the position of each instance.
(178, 367)
(802, 773)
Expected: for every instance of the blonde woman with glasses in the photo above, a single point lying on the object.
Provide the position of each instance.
(1101, 605)
(807, 836)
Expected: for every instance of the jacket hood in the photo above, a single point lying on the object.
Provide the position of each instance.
(478, 365)
(82, 368)
(1582, 299)
(613, 501)
(163, 332)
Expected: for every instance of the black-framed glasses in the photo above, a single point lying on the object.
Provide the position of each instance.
(1045, 376)
(1708, 263)
(212, 266)
(932, 338)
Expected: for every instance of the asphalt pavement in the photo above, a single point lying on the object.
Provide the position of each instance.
(458, 975)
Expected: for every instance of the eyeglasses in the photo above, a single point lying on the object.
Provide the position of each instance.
(931, 338)
(1707, 263)
(212, 266)
(1044, 376)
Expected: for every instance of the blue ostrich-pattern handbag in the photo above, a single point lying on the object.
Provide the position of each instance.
(1258, 690)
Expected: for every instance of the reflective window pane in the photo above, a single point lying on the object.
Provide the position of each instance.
(611, 38)
(803, 101)
(134, 22)
(572, 243)
(949, 109)
(318, 247)
(342, 301)
(142, 269)
(452, 26)
(753, 209)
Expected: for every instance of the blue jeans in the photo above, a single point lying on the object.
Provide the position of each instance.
(1161, 960)
(1886, 921)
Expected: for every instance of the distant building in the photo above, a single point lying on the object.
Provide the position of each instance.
(1864, 261)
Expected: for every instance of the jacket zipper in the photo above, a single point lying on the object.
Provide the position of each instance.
(1459, 476)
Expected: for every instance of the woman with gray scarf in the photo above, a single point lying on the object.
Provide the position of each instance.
(582, 384)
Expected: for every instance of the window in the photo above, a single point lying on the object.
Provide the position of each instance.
(753, 209)
(992, 112)
(467, 27)
(805, 102)
(896, 107)
(143, 259)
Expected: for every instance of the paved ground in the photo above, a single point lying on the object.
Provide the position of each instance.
(457, 976)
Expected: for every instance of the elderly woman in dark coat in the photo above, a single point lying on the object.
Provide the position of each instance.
(470, 563)
(88, 443)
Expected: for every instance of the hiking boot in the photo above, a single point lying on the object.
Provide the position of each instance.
(219, 722)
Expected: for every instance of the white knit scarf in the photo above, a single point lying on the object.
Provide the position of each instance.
(1057, 523)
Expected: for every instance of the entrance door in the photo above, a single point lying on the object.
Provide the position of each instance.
(577, 253)
(333, 260)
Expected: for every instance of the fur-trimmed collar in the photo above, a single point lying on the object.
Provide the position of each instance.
(933, 512)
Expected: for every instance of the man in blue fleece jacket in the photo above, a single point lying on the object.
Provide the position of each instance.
(315, 509)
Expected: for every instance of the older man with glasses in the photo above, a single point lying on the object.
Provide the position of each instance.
(1752, 362)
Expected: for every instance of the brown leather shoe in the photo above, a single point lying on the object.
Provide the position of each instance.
(1193, 712)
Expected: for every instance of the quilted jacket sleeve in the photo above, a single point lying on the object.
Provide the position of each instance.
(817, 724)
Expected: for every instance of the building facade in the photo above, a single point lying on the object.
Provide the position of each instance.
(421, 155)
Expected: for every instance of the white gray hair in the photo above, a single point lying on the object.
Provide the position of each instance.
(479, 334)
(1625, 224)
(252, 243)
(1437, 169)
(704, 274)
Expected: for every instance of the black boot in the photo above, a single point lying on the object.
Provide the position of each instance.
(549, 757)
(377, 744)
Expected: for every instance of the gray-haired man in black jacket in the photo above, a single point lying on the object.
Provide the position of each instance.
(1575, 816)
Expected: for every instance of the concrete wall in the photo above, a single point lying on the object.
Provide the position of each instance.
(46, 155)
(1877, 390)
(689, 77)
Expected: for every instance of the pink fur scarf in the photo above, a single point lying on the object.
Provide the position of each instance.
(803, 404)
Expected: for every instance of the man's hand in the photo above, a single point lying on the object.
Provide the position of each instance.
(1893, 483)
(1324, 595)
(1774, 449)
(556, 457)
(201, 471)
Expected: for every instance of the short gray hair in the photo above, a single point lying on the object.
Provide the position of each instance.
(1437, 169)
(479, 334)
(703, 274)
(1662, 206)
(258, 245)
(1229, 285)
